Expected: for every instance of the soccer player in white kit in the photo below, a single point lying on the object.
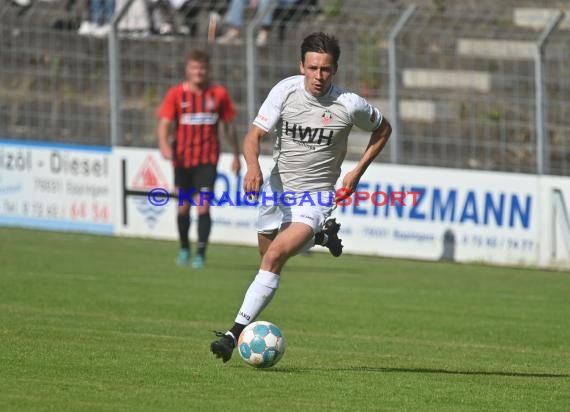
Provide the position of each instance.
(312, 118)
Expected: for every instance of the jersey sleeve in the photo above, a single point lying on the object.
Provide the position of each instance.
(227, 107)
(364, 115)
(167, 108)
(270, 111)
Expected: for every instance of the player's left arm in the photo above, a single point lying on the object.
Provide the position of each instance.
(378, 140)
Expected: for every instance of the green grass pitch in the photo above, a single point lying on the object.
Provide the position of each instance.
(101, 323)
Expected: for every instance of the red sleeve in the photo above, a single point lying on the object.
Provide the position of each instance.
(167, 109)
(227, 108)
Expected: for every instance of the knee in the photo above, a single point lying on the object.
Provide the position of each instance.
(184, 209)
(203, 209)
(273, 257)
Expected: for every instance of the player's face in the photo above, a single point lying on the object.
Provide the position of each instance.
(197, 73)
(319, 70)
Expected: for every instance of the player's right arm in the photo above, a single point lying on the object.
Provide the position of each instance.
(164, 126)
(251, 148)
(266, 119)
(166, 118)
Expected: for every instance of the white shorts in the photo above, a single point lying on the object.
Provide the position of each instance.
(275, 209)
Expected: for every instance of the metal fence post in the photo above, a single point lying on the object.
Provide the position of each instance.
(115, 75)
(394, 99)
(542, 144)
(251, 58)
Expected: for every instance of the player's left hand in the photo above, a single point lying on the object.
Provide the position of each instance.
(236, 165)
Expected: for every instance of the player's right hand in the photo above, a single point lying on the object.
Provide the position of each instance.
(166, 152)
(252, 180)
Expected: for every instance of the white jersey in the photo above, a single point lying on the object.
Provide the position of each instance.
(312, 133)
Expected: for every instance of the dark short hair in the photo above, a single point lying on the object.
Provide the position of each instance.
(198, 56)
(321, 43)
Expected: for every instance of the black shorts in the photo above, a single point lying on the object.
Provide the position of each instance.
(201, 178)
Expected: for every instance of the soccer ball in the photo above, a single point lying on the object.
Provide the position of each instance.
(261, 344)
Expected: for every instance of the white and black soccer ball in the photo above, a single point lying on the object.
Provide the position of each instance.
(261, 344)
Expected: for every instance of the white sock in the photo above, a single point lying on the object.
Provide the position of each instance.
(258, 295)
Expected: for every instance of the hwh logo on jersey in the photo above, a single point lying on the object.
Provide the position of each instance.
(308, 134)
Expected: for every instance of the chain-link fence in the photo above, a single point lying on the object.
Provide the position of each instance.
(463, 91)
(476, 76)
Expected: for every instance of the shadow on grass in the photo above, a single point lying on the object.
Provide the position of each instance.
(419, 370)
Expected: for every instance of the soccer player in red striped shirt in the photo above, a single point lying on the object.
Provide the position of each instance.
(193, 110)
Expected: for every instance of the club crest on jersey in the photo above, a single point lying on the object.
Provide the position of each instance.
(326, 118)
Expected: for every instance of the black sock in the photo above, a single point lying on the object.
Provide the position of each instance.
(237, 329)
(183, 228)
(204, 227)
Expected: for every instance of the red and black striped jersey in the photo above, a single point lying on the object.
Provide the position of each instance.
(196, 116)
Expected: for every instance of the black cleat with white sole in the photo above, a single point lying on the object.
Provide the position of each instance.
(223, 347)
(333, 243)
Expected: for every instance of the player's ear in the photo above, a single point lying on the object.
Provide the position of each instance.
(301, 67)
(335, 69)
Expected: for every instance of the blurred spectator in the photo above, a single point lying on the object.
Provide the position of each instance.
(190, 12)
(144, 17)
(235, 19)
(69, 18)
(136, 20)
(22, 3)
(28, 3)
(166, 16)
(76, 11)
(100, 18)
